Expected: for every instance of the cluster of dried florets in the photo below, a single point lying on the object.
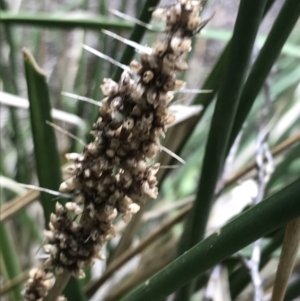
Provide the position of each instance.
(38, 285)
(112, 175)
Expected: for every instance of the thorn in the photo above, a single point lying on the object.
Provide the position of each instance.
(58, 128)
(107, 58)
(168, 166)
(42, 256)
(40, 247)
(204, 23)
(137, 46)
(173, 154)
(193, 91)
(183, 112)
(82, 98)
(46, 190)
(160, 6)
(134, 20)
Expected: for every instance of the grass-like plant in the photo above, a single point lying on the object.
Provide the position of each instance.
(251, 108)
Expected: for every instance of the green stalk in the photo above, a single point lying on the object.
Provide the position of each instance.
(80, 89)
(11, 85)
(283, 25)
(12, 53)
(23, 174)
(63, 20)
(97, 77)
(115, 44)
(8, 252)
(10, 259)
(247, 227)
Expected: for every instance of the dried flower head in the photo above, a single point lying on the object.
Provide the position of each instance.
(112, 175)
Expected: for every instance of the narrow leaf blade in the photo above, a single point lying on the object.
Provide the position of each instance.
(45, 147)
(237, 234)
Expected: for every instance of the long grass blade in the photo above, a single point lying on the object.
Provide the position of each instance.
(225, 110)
(10, 259)
(22, 103)
(46, 152)
(69, 20)
(285, 22)
(240, 232)
(45, 147)
(245, 30)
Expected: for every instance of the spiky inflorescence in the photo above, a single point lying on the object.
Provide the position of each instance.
(112, 175)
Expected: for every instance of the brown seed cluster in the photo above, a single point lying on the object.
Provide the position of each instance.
(38, 285)
(112, 175)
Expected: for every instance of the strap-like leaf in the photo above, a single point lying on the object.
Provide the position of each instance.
(238, 58)
(45, 147)
(239, 54)
(276, 39)
(63, 20)
(240, 232)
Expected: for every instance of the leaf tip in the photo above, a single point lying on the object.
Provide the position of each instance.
(28, 57)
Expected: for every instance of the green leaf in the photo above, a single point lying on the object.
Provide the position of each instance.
(234, 74)
(277, 37)
(225, 35)
(213, 80)
(237, 234)
(10, 84)
(10, 259)
(12, 53)
(63, 20)
(74, 291)
(45, 147)
(238, 58)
